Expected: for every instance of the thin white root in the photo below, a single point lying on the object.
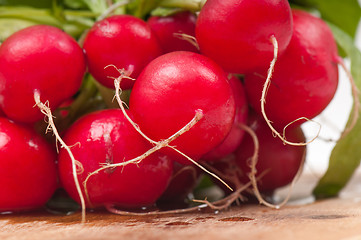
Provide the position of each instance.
(184, 169)
(192, 40)
(355, 95)
(263, 101)
(202, 168)
(252, 174)
(121, 105)
(216, 205)
(157, 145)
(137, 160)
(44, 108)
(227, 201)
(305, 143)
(176, 135)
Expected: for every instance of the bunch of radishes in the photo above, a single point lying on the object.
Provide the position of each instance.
(210, 89)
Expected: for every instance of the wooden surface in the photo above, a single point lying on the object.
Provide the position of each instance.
(338, 218)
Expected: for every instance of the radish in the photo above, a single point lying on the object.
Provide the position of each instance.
(235, 136)
(174, 31)
(36, 60)
(305, 77)
(124, 41)
(278, 163)
(107, 137)
(184, 180)
(28, 176)
(169, 91)
(237, 33)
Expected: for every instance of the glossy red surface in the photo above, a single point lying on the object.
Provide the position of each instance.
(39, 58)
(280, 162)
(235, 136)
(305, 78)
(28, 175)
(106, 137)
(166, 27)
(167, 94)
(121, 40)
(236, 33)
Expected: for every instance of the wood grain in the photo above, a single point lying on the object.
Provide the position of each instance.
(338, 218)
(329, 219)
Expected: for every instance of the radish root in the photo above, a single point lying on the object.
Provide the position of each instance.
(157, 145)
(173, 137)
(186, 169)
(192, 40)
(76, 165)
(216, 205)
(252, 174)
(263, 101)
(118, 91)
(137, 160)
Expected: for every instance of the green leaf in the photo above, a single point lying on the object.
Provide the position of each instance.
(57, 10)
(75, 4)
(96, 6)
(10, 26)
(346, 155)
(163, 12)
(13, 18)
(343, 13)
(36, 4)
(142, 8)
(36, 15)
(191, 5)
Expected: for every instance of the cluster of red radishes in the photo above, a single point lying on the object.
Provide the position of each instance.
(196, 82)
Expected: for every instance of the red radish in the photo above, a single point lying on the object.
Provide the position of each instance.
(168, 28)
(169, 91)
(184, 179)
(237, 33)
(40, 59)
(124, 41)
(305, 77)
(235, 136)
(107, 137)
(64, 107)
(279, 162)
(28, 175)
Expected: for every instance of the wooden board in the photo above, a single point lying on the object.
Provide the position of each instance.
(338, 218)
(331, 219)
